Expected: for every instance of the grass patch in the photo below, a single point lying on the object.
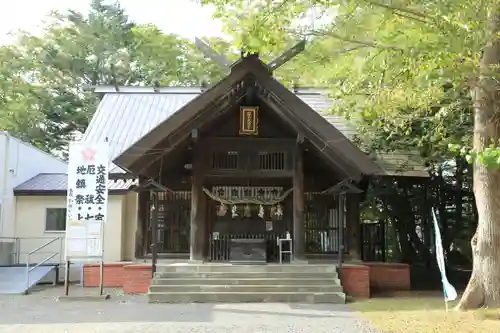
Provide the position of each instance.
(415, 312)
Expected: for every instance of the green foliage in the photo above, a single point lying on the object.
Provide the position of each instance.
(402, 69)
(489, 156)
(18, 111)
(42, 99)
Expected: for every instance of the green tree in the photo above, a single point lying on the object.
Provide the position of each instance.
(399, 63)
(44, 97)
(19, 113)
(171, 60)
(73, 50)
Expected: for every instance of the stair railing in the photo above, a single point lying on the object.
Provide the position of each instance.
(30, 269)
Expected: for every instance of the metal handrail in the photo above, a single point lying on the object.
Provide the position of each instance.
(16, 253)
(28, 269)
(44, 245)
(43, 262)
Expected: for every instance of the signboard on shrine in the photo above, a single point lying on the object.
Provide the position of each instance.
(86, 200)
(249, 120)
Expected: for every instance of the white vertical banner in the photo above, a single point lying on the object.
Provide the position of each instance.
(450, 294)
(86, 200)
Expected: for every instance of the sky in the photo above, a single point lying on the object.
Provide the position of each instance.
(183, 17)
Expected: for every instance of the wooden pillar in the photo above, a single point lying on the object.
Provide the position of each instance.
(141, 243)
(298, 205)
(204, 225)
(342, 219)
(197, 210)
(154, 231)
(353, 227)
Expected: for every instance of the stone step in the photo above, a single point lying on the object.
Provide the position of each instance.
(244, 275)
(207, 268)
(247, 297)
(247, 281)
(277, 288)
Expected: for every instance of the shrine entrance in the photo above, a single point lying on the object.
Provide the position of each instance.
(246, 222)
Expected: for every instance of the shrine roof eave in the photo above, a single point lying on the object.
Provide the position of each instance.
(181, 122)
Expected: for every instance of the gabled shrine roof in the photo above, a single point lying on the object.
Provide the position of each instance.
(126, 114)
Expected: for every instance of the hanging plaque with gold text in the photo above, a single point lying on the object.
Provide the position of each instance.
(249, 120)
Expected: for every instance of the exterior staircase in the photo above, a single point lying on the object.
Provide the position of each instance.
(212, 283)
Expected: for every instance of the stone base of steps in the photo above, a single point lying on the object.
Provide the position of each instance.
(226, 281)
(240, 268)
(247, 297)
(245, 288)
(243, 275)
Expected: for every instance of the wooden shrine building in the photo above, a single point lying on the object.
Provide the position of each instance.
(242, 164)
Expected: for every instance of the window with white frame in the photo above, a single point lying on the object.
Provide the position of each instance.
(55, 219)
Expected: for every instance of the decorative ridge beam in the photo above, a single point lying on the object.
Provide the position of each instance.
(211, 53)
(151, 183)
(121, 176)
(344, 186)
(286, 56)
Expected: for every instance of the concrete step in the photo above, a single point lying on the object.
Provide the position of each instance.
(244, 275)
(247, 281)
(277, 288)
(241, 268)
(247, 297)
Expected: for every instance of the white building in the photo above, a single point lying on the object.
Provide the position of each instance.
(19, 162)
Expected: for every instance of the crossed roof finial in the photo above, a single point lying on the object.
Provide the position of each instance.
(273, 65)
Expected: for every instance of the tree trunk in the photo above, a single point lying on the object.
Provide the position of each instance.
(459, 198)
(441, 201)
(484, 285)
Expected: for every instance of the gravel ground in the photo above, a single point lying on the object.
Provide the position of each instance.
(42, 312)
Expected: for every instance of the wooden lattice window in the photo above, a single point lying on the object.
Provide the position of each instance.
(271, 160)
(225, 160)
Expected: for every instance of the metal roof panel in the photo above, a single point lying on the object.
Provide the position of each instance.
(54, 182)
(123, 118)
